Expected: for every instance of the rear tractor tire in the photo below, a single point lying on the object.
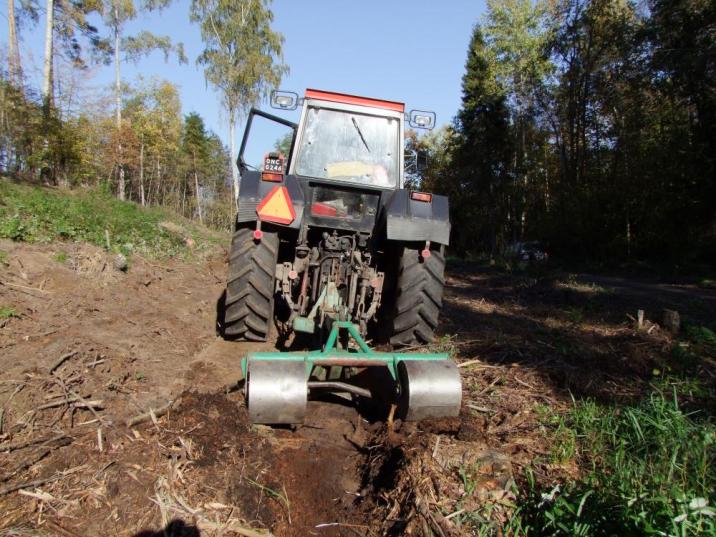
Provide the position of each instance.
(250, 288)
(418, 297)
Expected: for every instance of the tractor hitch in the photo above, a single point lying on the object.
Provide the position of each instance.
(425, 385)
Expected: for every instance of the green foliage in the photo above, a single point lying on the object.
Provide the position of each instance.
(648, 471)
(3, 257)
(702, 335)
(7, 313)
(242, 55)
(472, 172)
(44, 215)
(590, 126)
(61, 256)
(137, 46)
(283, 144)
(234, 29)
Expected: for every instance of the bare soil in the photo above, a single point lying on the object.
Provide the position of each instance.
(134, 341)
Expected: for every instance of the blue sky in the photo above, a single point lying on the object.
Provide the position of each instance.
(410, 51)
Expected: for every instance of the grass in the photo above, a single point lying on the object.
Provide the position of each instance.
(271, 493)
(3, 257)
(36, 214)
(647, 470)
(61, 257)
(702, 336)
(7, 312)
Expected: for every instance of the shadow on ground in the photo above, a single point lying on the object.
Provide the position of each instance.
(175, 528)
(580, 338)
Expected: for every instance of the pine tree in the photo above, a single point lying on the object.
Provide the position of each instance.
(194, 146)
(478, 180)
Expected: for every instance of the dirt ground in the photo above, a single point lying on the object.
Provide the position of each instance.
(89, 347)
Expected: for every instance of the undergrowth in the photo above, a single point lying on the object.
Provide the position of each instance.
(646, 470)
(7, 312)
(37, 214)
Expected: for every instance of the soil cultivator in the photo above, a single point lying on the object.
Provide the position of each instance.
(329, 245)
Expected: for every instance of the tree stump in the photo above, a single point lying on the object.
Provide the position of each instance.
(671, 321)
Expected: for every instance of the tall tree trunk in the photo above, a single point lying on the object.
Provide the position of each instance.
(232, 148)
(160, 187)
(183, 198)
(118, 104)
(13, 56)
(141, 172)
(47, 72)
(196, 191)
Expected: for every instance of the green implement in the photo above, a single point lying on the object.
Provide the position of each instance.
(278, 383)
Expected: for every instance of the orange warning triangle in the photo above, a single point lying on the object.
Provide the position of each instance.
(277, 206)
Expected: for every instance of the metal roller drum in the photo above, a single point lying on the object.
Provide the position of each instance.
(277, 391)
(429, 389)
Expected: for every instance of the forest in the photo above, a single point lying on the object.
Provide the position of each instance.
(586, 125)
(589, 126)
(131, 139)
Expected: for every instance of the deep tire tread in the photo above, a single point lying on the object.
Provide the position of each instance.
(418, 298)
(250, 287)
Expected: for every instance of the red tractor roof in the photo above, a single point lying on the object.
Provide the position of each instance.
(353, 99)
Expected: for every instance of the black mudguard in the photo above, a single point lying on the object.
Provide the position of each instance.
(252, 190)
(410, 220)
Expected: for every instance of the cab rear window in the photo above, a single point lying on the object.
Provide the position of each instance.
(344, 204)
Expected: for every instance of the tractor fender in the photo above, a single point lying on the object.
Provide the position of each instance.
(253, 190)
(411, 220)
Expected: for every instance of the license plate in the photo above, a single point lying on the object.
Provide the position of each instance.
(273, 164)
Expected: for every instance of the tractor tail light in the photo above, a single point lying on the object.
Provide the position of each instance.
(273, 177)
(421, 196)
(323, 209)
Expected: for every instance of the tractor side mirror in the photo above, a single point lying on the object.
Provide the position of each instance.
(421, 119)
(284, 100)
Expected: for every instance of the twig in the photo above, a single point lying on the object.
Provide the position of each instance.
(524, 383)
(341, 524)
(17, 390)
(391, 416)
(204, 524)
(158, 412)
(48, 333)
(168, 269)
(38, 482)
(25, 287)
(75, 401)
(42, 496)
(451, 515)
(27, 443)
(100, 445)
(60, 529)
(482, 364)
(62, 360)
(25, 464)
(479, 408)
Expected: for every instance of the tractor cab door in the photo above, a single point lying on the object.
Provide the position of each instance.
(264, 134)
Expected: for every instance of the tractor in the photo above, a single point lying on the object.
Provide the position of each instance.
(329, 245)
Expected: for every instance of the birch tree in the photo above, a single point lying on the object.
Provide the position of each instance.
(132, 48)
(13, 56)
(68, 30)
(47, 66)
(242, 57)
